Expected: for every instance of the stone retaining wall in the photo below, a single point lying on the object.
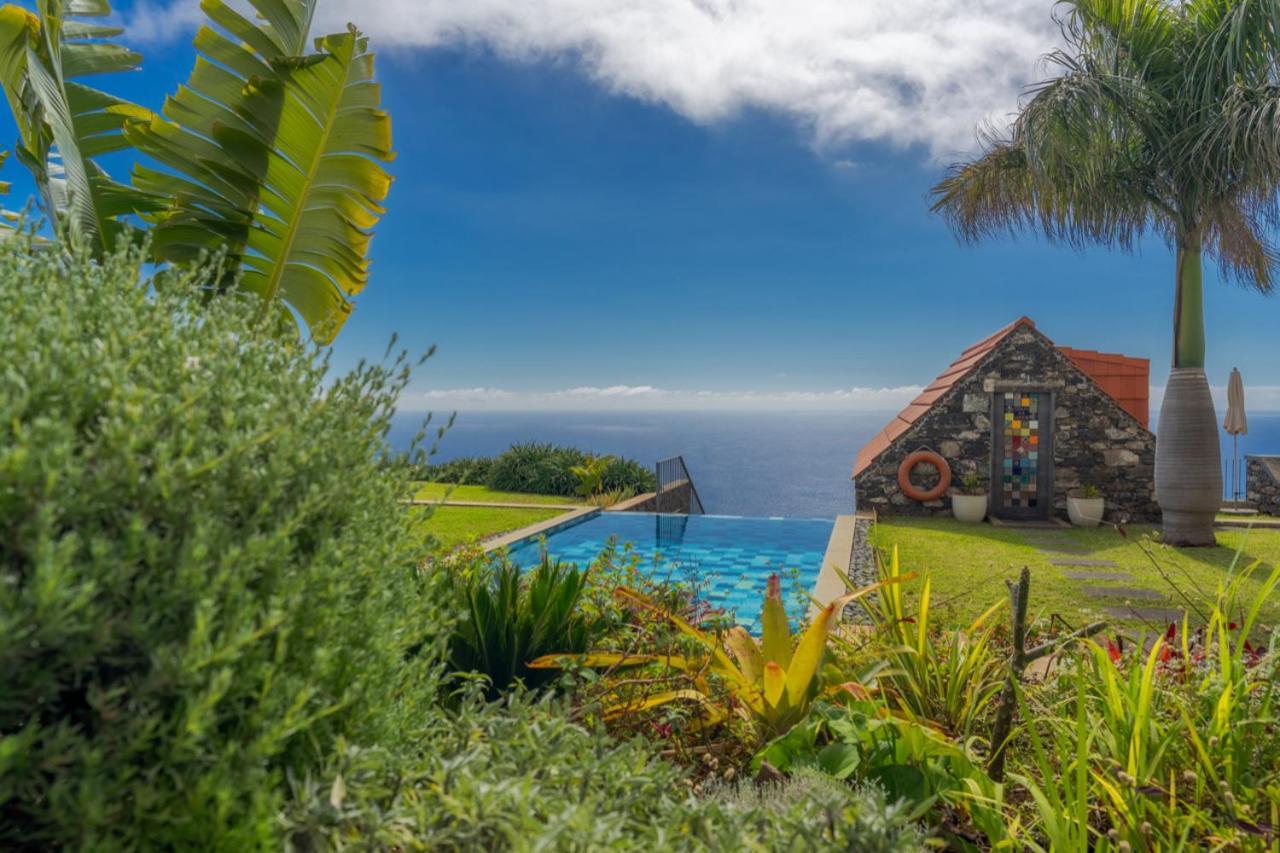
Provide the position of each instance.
(1262, 483)
(1096, 442)
(678, 498)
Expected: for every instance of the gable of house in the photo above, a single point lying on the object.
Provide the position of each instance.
(1122, 378)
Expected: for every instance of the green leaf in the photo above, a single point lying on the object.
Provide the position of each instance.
(63, 125)
(839, 759)
(275, 156)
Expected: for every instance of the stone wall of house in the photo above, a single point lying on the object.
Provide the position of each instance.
(1096, 442)
(1262, 483)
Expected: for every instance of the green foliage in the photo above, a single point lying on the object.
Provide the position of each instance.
(273, 152)
(507, 618)
(42, 58)
(271, 155)
(519, 776)
(971, 484)
(1168, 747)
(207, 578)
(770, 684)
(463, 471)
(911, 761)
(590, 474)
(949, 679)
(547, 469)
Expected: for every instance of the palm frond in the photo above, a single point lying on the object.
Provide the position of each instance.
(64, 124)
(276, 155)
(1237, 239)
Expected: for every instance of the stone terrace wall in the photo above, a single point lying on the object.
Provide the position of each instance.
(1095, 440)
(677, 499)
(1262, 483)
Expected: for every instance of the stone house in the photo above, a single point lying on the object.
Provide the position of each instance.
(1033, 420)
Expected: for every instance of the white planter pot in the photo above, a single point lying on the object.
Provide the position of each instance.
(969, 508)
(1086, 512)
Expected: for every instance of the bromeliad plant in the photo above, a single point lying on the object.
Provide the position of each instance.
(771, 684)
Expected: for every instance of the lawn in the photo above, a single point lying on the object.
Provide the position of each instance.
(969, 564)
(448, 491)
(454, 525)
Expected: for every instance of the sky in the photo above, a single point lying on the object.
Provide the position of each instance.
(708, 203)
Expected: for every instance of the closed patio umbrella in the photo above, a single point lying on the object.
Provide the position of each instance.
(1236, 424)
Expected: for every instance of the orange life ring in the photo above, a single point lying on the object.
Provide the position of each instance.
(909, 464)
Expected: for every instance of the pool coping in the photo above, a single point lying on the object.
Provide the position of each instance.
(839, 557)
(541, 528)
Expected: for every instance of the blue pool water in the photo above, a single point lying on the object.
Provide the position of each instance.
(728, 558)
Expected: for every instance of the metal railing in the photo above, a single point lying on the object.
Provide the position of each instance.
(675, 490)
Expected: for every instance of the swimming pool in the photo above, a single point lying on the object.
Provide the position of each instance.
(729, 558)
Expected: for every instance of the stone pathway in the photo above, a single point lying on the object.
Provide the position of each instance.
(1121, 592)
(1157, 616)
(1097, 576)
(1069, 554)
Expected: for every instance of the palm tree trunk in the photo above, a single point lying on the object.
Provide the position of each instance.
(1188, 461)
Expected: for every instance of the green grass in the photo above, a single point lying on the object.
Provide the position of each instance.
(447, 491)
(970, 563)
(454, 525)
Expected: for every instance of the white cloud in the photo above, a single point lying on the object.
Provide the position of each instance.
(151, 21)
(903, 71)
(647, 397)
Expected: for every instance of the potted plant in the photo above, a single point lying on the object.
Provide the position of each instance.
(1086, 506)
(969, 502)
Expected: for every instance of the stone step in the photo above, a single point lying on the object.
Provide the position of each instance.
(1098, 576)
(1121, 592)
(1158, 616)
(1061, 549)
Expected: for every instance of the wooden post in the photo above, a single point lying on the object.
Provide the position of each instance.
(1019, 595)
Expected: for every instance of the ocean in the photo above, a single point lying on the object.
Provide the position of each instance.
(793, 464)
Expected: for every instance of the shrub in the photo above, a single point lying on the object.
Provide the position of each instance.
(507, 618)
(622, 474)
(463, 471)
(548, 469)
(206, 578)
(520, 776)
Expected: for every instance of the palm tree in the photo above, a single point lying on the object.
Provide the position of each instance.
(1164, 118)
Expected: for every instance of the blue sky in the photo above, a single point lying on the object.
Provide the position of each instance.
(559, 224)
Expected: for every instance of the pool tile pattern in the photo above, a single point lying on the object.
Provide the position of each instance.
(728, 559)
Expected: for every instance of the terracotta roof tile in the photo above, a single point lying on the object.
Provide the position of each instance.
(1124, 378)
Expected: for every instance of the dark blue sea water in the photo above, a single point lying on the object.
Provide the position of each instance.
(793, 464)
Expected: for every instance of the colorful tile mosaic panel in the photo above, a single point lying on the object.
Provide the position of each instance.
(1020, 450)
